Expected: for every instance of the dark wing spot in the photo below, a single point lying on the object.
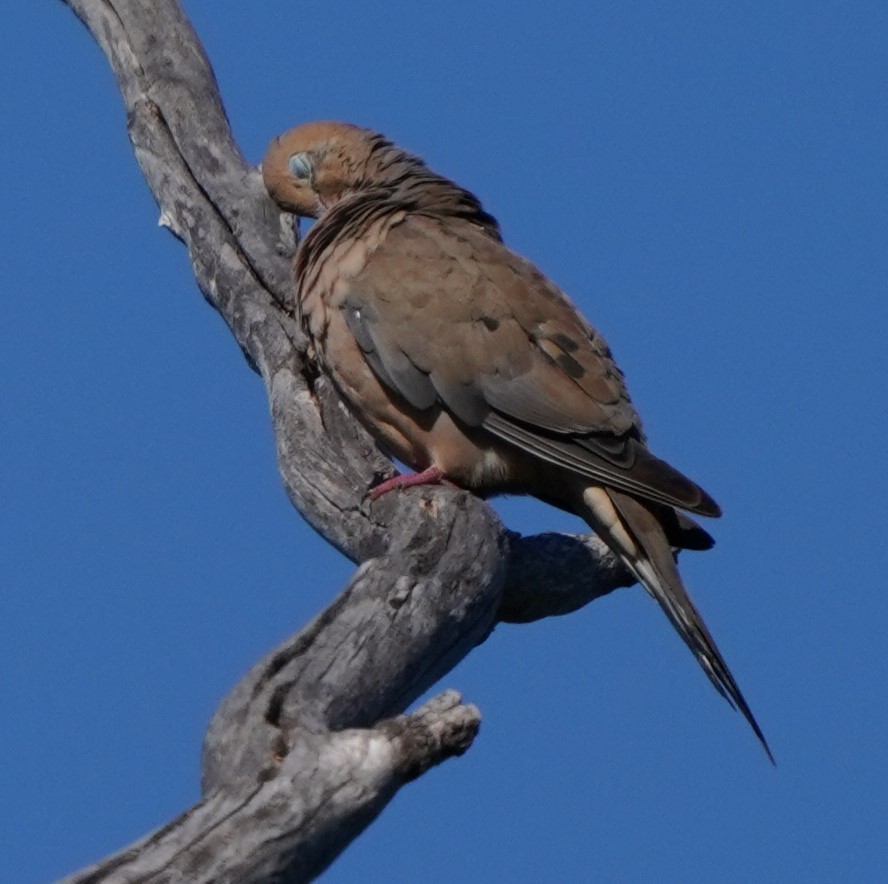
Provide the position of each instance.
(555, 351)
(570, 366)
(490, 323)
(567, 343)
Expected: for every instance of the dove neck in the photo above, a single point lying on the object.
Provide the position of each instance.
(410, 183)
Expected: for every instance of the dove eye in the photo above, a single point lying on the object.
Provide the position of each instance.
(300, 165)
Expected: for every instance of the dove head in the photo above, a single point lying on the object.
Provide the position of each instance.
(310, 169)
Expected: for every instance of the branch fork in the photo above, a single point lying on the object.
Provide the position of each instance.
(314, 741)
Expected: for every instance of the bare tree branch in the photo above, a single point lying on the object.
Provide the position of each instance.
(312, 743)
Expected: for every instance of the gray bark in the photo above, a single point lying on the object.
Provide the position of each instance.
(314, 741)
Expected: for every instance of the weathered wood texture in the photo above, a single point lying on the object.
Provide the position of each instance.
(313, 742)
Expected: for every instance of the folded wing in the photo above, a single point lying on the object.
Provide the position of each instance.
(445, 313)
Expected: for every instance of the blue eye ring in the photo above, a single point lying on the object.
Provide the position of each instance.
(300, 166)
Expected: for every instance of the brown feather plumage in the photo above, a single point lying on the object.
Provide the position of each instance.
(457, 354)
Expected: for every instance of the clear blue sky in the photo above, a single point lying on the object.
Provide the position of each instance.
(708, 181)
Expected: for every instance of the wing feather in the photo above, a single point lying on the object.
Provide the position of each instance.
(444, 313)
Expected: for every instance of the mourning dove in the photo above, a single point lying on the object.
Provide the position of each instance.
(467, 364)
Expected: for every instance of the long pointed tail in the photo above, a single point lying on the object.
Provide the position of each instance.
(634, 533)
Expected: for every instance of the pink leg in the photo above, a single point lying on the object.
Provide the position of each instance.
(429, 476)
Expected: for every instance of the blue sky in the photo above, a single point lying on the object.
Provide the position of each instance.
(708, 181)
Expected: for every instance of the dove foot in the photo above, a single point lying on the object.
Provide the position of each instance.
(429, 476)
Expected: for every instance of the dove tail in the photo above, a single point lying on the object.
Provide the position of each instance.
(634, 533)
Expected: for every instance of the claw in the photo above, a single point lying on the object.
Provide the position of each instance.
(429, 476)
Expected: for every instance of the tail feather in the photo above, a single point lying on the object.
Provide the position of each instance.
(635, 534)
